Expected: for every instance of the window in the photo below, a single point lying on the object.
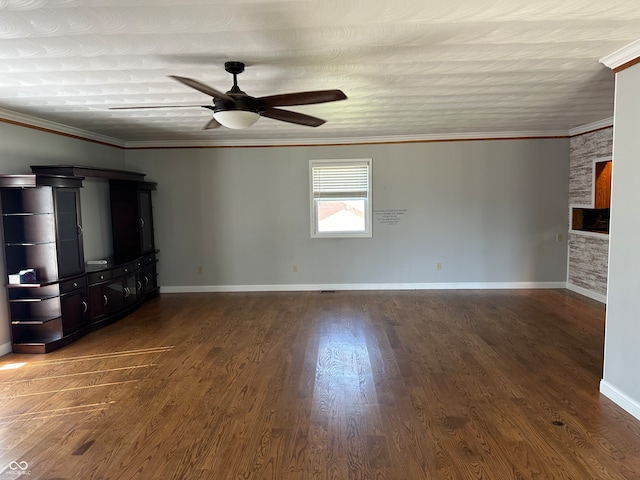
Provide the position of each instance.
(340, 198)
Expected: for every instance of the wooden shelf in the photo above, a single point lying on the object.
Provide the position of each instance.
(26, 214)
(30, 244)
(34, 321)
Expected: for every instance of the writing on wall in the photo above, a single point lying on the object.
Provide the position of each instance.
(390, 216)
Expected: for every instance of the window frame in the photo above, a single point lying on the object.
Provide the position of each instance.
(367, 233)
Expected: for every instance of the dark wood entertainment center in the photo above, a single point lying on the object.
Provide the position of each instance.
(42, 230)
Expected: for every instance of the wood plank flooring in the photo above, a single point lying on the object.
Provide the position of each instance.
(308, 385)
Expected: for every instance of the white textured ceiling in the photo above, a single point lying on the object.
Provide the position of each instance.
(411, 68)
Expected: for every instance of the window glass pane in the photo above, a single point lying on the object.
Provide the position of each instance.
(341, 216)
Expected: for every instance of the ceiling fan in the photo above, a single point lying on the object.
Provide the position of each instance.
(235, 109)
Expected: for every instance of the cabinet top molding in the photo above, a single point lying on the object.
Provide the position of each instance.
(33, 180)
(81, 171)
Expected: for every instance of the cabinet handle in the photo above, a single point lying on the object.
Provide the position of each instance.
(146, 280)
(85, 307)
(141, 222)
(79, 229)
(139, 285)
(127, 292)
(106, 300)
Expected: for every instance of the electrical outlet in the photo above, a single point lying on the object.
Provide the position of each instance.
(559, 237)
(200, 269)
(295, 268)
(438, 266)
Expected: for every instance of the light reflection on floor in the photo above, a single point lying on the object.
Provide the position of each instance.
(344, 384)
(43, 388)
(13, 366)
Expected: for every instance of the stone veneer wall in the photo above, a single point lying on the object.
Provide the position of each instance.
(588, 254)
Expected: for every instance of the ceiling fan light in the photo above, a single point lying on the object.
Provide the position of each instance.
(236, 119)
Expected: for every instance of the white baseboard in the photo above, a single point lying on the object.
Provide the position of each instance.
(616, 396)
(587, 293)
(5, 348)
(359, 286)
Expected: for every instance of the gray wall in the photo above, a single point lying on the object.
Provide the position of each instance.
(588, 253)
(22, 147)
(622, 339)
(488, 211)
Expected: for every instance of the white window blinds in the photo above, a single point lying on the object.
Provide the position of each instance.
(340, 180)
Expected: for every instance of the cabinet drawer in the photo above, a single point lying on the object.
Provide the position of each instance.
(70, 285)
(124, 270)
(99, 277)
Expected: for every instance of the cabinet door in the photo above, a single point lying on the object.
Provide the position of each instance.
(149, 279)
(74, 311)
(97, 302)
(115, 293)
(106, 298)
(130, 289)
(132, 219)
(146, 221)
(125, 220)
(68, 232)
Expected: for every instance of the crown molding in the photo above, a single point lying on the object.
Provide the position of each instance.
(621, 57)
(27, 121)
(591, 127)
(457, 137)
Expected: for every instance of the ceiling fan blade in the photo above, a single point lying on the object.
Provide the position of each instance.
(213, 123)
(292, 117)
(303, 98)
(201, 87)
(142, 107)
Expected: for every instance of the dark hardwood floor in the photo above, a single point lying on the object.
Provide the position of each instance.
(348, 385)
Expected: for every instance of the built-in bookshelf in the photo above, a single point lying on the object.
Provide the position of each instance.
(594, 218)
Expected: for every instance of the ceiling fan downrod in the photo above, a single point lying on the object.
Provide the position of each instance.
(235, 69)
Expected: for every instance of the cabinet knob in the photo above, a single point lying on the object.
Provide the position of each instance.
(126, 269)
(75, 284)
(101, 277)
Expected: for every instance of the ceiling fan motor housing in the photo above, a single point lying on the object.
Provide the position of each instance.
(242, 102)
